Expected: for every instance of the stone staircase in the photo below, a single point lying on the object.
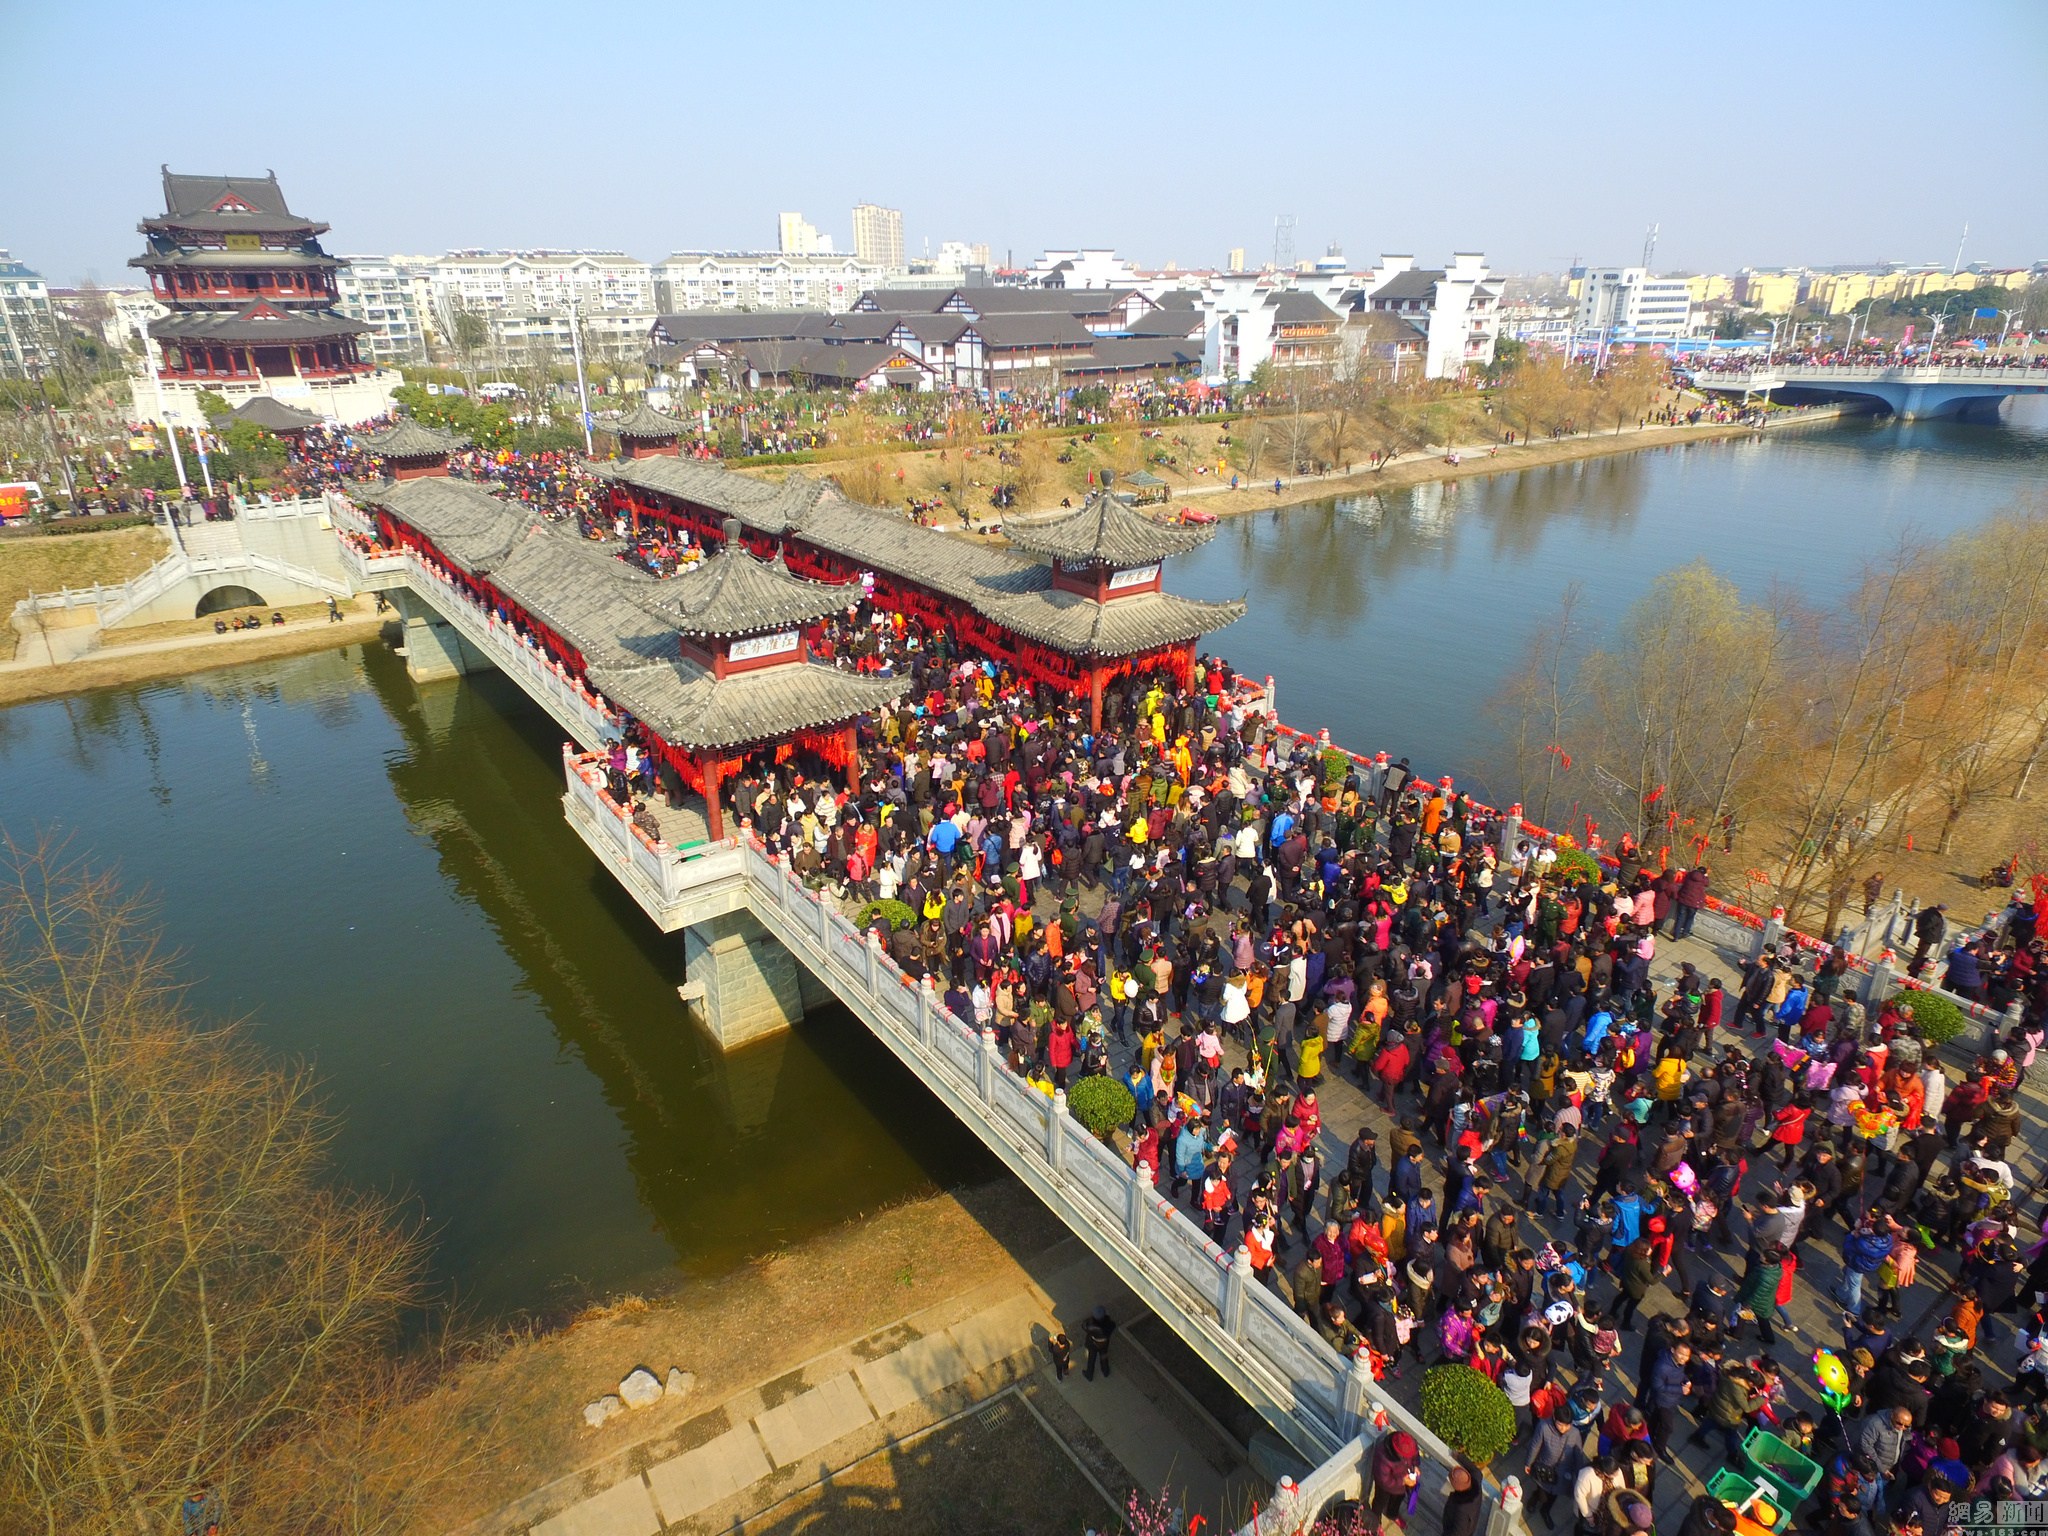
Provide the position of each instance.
(212, 541)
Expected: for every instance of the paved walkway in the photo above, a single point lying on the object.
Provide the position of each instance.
(722, 1465)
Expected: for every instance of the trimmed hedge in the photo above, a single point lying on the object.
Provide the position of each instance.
(1576, 865)
(1467, 1412)
(1936, 1018)
(1102, 1104)
(894, 913)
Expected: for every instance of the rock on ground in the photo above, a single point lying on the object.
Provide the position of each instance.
(679, 1382)
(640, 1389)
(596, 1413)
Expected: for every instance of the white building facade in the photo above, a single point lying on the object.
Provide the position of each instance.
(481, 282)
(1455, 310)
(1627, 304)
(762, 280)
(28, 323)
(878, 236)
(386, 297)
(1082, 269)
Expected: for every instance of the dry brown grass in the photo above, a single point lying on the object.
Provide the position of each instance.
(69, 560)
(733, 1332)
(178, 629)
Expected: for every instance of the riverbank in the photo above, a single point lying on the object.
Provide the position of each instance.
(111, 666)
(1474, 460)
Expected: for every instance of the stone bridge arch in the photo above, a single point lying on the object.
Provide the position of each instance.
(220, 599)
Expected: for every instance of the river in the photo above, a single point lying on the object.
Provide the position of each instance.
(1392, 619)
(379, 878)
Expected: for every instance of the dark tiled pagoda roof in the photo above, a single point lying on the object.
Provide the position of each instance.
(410, 439)
(1007, 586)
(692, 708)
(207, 256)
(257, 323)
(469, 525)
(189, 203)
(1123, 626)
(644, 421)
(274, 415)
(1106, 531)
(732, 593)
(581, 589)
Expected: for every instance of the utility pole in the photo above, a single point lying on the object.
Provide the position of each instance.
(582, 389)
(1952, 271)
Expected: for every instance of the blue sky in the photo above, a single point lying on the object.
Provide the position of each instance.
(1753, 133)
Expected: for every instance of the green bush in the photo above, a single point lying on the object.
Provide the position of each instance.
(1937, 1019)
(894, 913)
(1575, 865)
(1102, 1104)
(1467, 1412)
(1336, 764)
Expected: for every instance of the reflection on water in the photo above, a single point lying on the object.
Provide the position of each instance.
(380, 878)
(1392, 616)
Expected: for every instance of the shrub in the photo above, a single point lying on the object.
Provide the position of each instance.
(1938, 1019)
(1102, 1104)
(1336, 764)
(1467, 1412)
(894, 913)
(1575, 865)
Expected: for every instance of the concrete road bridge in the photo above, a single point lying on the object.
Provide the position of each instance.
(1910, 392)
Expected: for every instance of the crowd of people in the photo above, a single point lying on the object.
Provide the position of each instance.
(1598, 1183)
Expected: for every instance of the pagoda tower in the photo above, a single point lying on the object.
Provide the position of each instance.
(252, 298)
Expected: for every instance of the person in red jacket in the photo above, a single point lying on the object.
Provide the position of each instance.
(1788, 1130)
(1059, 1051)
(1390, 1067)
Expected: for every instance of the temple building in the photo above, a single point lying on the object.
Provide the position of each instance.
(252, 308)
(645, 433)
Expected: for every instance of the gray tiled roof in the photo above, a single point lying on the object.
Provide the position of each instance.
(206, 256)
(1134, 354)
(645, 421)
(197, 194)
(410, 439)
(732, 593)
(1415, 283)
(585, 593)
(1009, 586)
(1291, 306)
(273, 415)
(690, 707)
(1105, 531)
(1033, 328)
(1123, 626)
(254, 324)
(469, 525)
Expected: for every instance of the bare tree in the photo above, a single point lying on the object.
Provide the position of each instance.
(1540, 708)
(177, 1276)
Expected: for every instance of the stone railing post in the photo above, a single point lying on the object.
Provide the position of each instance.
(1356, 1407)
(1877, 986)
(1284, 1513)
(782, 878)
(1142, 1191)
(986, 1066)
(872, 958)
(1056, 1123)
(1510, 829)
(926, 1013)
(1768, 938)
(1235, 1278)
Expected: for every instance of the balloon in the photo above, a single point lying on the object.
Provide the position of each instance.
(1833, 1377)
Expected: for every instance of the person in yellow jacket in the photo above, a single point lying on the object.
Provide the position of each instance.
(1669, 1076)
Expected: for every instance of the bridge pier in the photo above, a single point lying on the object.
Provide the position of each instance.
(434, 648)
(743, 985)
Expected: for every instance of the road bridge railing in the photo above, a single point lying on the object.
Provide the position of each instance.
(1243, 1330)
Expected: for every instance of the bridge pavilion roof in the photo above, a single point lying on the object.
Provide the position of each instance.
(644, 421)
(1005, 586)
(732, 593)
(1105, 531)
(409, 439)
(624, 622)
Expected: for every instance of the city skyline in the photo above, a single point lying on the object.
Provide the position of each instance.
(1574, 154)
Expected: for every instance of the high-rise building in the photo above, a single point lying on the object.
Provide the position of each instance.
(252, 301)
(799, 237)
(1628, 304)
(385, 297)
(878, 236)
(28, 325)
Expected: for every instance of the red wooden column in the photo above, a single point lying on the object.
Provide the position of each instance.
(1095, 699)
(852, 739)
(708, 769)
